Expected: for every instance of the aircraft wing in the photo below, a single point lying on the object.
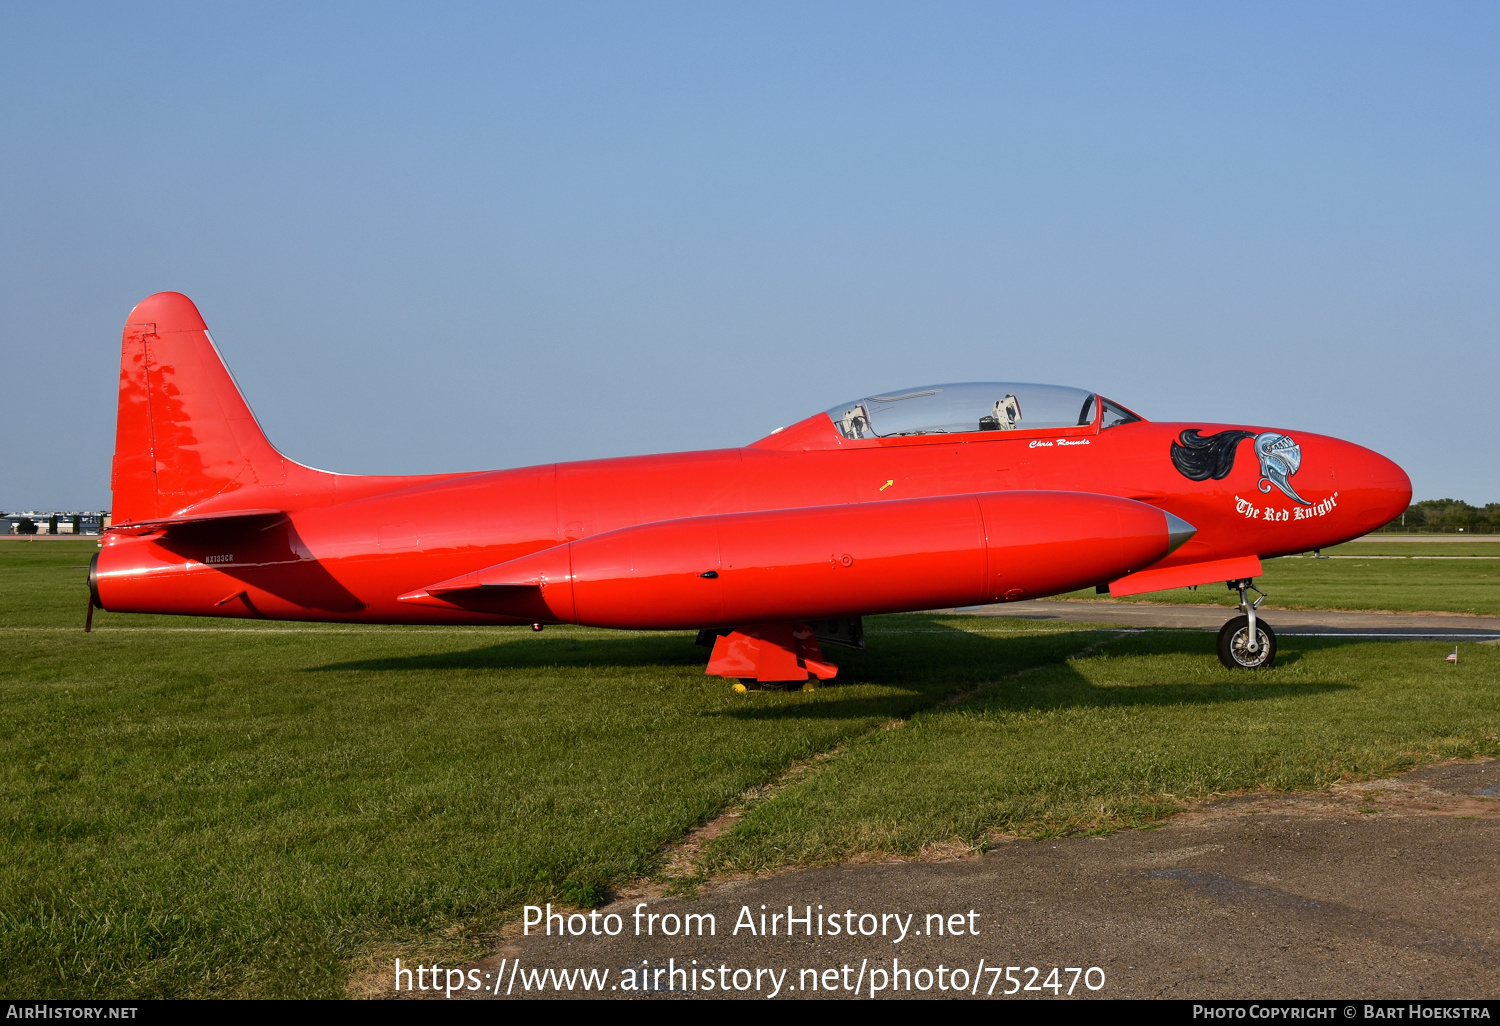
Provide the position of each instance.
(1209, 572)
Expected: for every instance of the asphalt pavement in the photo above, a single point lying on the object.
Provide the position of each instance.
(1316, 622)
(1384, 889)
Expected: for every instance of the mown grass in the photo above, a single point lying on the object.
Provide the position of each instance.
(196, 808)
(233, 811)
(1487, 545)
(1364, 576)
(1123, 738)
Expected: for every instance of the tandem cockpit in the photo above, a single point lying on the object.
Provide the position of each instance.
(976, 406)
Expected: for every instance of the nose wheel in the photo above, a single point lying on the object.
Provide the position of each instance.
(1247, 642)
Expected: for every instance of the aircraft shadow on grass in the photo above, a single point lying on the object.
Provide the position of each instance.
(528, 651)
(943, 663)
(926, 657)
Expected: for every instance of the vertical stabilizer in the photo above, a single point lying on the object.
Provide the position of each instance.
(184, 433)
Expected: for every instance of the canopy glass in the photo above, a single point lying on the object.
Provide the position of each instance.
(972, 406)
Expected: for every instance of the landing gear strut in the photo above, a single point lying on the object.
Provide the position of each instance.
(1247, 642)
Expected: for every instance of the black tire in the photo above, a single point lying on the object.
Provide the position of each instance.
(1232, 640)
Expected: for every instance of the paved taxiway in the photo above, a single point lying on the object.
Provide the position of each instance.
(1285, 621)
(1384, 889)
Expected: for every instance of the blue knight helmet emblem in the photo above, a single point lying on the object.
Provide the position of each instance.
(1199, 457)
(1279, 459)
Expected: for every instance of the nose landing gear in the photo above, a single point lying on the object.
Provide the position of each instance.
(1247, 642)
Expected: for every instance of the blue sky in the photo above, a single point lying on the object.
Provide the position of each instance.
(449, 237)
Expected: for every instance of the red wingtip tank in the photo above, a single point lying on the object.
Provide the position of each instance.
(824, 562)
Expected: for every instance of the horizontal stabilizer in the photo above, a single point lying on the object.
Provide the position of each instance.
(195, 520)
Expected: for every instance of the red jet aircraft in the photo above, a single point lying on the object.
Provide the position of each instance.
(942, 496)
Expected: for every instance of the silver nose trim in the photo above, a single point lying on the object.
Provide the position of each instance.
(1178, 531)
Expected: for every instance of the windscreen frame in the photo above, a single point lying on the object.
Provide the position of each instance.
(934, 436)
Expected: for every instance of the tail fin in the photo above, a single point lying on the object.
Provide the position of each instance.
(184, 433)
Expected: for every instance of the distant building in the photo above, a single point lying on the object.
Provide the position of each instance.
(34, 521)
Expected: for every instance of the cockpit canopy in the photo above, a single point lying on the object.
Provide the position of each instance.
(974, 406)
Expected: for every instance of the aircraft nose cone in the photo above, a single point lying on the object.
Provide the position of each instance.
(1178, 532)
(1395, 487)
(1373, 488)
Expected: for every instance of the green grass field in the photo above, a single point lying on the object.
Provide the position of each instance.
(196, 808)
(1448, 577)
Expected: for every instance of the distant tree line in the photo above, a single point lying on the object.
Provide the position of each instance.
(1439, 515)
